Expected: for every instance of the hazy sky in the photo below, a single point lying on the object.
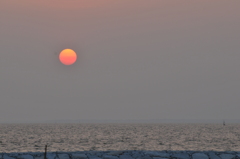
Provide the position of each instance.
(137, 59)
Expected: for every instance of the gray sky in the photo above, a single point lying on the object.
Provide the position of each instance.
(137, 60)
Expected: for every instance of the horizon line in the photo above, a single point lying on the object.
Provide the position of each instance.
(129, 121)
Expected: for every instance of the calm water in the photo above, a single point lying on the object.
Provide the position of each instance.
(80, 137)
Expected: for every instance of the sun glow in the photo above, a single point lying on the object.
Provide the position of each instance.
(68, 57)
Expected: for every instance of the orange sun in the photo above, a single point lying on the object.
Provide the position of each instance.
(68, 57)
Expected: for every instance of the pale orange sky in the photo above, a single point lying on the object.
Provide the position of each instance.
(137, 59)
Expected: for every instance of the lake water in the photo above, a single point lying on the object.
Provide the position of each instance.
(102, 137)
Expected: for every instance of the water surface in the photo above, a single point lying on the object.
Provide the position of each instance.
(102, 137)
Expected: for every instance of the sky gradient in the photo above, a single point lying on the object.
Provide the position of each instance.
(137, 60)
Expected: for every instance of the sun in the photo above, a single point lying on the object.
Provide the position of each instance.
(68, 57)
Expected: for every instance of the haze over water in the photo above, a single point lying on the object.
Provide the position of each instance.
(137, 60)
(84, 137)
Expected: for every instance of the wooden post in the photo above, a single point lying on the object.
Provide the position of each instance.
(45, 153)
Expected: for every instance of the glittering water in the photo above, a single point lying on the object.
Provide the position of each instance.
(102, 137)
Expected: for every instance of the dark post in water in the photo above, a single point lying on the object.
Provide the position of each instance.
(45, 153)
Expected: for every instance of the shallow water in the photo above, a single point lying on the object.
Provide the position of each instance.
(102, 137)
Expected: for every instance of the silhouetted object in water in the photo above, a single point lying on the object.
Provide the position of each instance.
(45, 153)
(224, 123)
